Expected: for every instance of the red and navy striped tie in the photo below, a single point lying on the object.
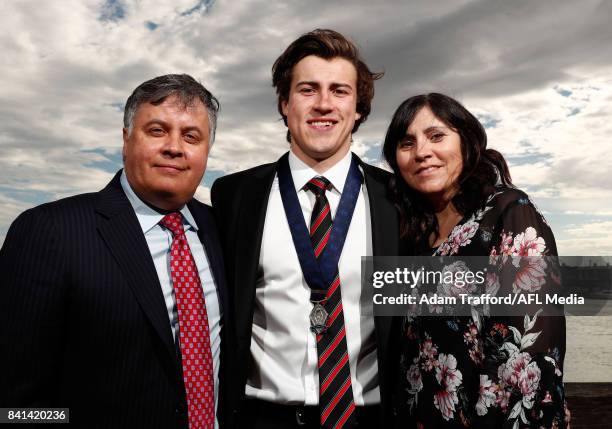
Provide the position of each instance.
(336, 403)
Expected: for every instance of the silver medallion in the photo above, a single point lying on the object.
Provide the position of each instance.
(318, 319)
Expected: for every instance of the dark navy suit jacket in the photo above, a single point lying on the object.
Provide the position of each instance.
(83, 323)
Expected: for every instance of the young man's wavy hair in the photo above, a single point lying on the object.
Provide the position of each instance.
(326, 44)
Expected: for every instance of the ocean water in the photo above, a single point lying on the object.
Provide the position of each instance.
(588, 357)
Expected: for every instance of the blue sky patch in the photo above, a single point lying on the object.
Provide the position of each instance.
(529, 158)
(151, 25)
(211, 175)
(201, 6)
(374, 152)
(563, 92)
(119, 107)
(112, 10)
(30, 196)
(111, 163)
(488, 121)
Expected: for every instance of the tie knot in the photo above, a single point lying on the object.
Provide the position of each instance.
(318, 185)
(174, 222)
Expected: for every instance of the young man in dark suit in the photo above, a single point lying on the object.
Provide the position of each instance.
(307, 350)
(112, 303)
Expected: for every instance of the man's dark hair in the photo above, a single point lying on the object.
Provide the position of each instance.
(158, 89)
(326, 44)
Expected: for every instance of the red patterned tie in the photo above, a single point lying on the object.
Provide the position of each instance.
(336, 403)
(194, 335)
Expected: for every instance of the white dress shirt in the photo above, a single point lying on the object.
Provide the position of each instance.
(159, 240)
(283, 348)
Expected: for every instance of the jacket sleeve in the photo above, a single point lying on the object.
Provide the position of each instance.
(32, 309)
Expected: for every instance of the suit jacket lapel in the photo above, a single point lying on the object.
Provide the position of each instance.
(385, 242)
(385, 230)
(252, 218)
(207, 234)
(123, 235)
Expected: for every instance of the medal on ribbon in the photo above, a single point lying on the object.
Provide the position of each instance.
(318, 318)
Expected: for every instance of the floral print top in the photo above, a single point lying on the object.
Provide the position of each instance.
(489, 371)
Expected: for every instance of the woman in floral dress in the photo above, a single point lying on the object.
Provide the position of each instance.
(455, 198)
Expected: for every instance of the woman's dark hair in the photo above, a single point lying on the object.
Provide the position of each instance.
(482, 169)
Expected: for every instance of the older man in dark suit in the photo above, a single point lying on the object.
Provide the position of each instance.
(113, 303)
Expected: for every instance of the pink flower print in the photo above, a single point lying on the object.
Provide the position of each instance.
(471, 335)
(531, 274)
(414, 377)
(445, 402)
(453, 247)
(449, 378)
(434, 308)
(476, 354)
(461, 235)
(471, 338)
(428, 354)
(499, 328)
(510, 372)
(444, 249)
(492, 284)
(493, 256)
(503, 398)
(486, 395)
(455, 271)
(506, 243)
(466, 233)
(528, 244)
(447, 373)
(528, 382)
(428, 348)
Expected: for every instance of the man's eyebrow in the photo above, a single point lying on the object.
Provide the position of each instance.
(193, 128)
(317, 84)
(307, 82)
(155, 121)
(342, 84)
(166, 124)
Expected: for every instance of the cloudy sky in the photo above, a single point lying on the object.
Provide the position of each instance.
(538, 75)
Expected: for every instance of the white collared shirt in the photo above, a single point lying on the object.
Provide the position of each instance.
(283, 349)
(159, 240)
